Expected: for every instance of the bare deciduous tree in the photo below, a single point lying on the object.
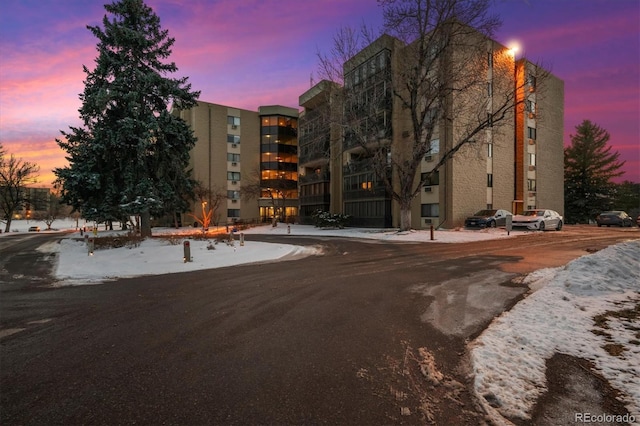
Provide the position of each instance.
(210, 200)
(15, 174)
(446, 75)
(278, 191)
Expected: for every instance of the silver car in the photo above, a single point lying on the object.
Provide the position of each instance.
(538, 219)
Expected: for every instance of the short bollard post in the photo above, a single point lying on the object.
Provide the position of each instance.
(242, 238)
(187, 252)
(431, 229)
(90, 246)
(288, 229)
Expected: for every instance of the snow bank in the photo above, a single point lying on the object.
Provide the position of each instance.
(509, 357)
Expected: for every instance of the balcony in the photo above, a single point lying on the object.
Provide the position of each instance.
(310, 200)
(323, 176)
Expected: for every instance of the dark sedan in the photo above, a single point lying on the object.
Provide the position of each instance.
(614, 218)
(487, 219)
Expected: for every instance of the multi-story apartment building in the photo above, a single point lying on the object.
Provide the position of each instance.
(239, 148)
(37, 203)
(515, 165)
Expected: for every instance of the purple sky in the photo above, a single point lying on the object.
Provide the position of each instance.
(247, 53)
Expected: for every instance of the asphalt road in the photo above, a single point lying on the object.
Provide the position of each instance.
(368, 333)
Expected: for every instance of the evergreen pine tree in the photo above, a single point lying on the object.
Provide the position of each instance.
(589, 167)
(130, 157)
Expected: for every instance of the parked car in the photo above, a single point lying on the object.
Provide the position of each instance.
(34, 229)
(638, 220)
(539, 219)
(487, 219)
(614, 217)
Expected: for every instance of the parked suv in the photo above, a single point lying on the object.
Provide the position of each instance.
(487, 219)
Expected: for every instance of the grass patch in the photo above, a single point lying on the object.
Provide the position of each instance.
(614, 349)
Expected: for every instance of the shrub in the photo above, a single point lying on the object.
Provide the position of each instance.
(322, 219)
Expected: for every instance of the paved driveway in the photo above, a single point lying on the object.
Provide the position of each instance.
(368, 333)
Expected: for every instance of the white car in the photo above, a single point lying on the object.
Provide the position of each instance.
(539, 219)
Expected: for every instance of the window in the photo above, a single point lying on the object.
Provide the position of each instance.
(233, 138)
(435, 147)
(434, 179)
(530, 106)
(233, 195)
(235, 158)
(233, 212)
(489, 150)
(489, 119)
(430, 210)
(233, 176)
(532, 159)
(489, 180)
(490, 59)
(531, 81)
(233, 121)
(489, 89)
(531, 133)
(531, 185)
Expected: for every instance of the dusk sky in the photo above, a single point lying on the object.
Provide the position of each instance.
(247, 53)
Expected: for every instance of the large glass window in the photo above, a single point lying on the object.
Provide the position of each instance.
(233, 121)
(430, 210)
(233, 176)
(235, 158)
(233, 138)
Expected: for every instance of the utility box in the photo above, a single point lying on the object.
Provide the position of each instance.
(187, 251)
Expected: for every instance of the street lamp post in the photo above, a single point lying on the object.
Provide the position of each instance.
(513, 50)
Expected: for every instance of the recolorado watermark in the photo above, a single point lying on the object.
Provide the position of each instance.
(603, 418)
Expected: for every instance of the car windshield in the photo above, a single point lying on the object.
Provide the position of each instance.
(533, 213)
(485, 213)
(610, 214)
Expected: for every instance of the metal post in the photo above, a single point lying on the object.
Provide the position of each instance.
(90, 246)
(431, 230)
(288, 229)
(187, 252)
(242, 238)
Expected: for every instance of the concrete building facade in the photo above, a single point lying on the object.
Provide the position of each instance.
(514, 165)
(238, 148)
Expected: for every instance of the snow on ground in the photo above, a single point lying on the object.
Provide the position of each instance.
(161, 256)
(509, 356)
